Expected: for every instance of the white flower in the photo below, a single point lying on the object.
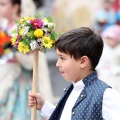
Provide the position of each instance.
(45, 30)
(25, 31)
(33, 45)
(45, 23)
(22, 25)
(51, 25)
(28, 21)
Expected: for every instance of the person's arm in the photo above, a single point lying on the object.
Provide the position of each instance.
(111, 105)
(47, 109)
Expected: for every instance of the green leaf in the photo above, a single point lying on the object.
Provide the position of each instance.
(16, 21)
(13, 31)
(50, 19)
(38, 15)
(53, 36)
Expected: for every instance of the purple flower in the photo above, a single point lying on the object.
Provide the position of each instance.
(18, 38)
(36, 23)
(16, 44)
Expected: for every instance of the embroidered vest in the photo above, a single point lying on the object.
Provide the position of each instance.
(89, 103)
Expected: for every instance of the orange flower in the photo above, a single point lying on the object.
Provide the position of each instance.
(4, 38)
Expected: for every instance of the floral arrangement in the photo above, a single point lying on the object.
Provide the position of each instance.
(34, 33)
(4, 41)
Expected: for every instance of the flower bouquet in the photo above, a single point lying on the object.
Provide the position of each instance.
(37, 34)
(34, 33)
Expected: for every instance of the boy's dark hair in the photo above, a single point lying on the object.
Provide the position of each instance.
(79, 42)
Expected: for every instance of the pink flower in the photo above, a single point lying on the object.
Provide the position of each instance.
(36, 23)
(17, 41)
(16, 44)
(18, 38)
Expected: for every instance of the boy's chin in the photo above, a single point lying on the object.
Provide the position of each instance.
(68, 80)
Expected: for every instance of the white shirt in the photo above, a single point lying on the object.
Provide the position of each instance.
(110, 106)
(71, 100)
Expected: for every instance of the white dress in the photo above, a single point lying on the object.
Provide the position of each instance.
(109, 66)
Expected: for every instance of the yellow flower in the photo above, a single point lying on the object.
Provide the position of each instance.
(20, 47)
(27, 18)
(23, 48)
(26, 49)
(32, 18)
(6, 51)
(13, 39)
(53, 41)
(45, 20)
(21, 21)
(38, 33)
(47, 42)
(21, 31)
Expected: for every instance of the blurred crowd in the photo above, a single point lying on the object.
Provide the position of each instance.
(107, 24)
(16, 68)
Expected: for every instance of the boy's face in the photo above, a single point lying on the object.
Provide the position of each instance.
(69, 67)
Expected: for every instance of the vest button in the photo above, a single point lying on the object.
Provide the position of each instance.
(82, 95)
(73, 113)
(64, 89)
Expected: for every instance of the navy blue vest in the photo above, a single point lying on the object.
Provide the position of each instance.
(89, 103)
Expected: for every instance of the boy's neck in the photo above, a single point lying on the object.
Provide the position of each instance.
(84, 74)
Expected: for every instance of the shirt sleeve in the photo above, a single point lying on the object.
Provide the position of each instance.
(47, 109)
(111, 105)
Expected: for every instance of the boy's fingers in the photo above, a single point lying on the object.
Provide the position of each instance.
(35, 95)
(31, 98)
(31, 102)
(31, 105)
(30, 93)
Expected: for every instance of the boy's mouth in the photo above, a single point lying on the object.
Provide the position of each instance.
(61, 72)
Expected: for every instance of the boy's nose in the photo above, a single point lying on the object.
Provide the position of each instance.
(57, 64)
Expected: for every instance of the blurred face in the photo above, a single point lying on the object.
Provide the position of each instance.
(112, 43)
(69, 67)
(108, 5)
(6, 8)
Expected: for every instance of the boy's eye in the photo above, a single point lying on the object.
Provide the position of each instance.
(62, 58)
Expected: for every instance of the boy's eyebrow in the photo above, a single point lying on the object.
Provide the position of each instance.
(60, 54)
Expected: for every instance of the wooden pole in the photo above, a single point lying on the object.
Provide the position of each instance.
(35, 81)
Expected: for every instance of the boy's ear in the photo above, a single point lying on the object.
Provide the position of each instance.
(84, 60)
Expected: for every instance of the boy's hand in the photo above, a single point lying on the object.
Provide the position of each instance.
(35, 99)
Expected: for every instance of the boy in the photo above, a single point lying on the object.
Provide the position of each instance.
(87, 98)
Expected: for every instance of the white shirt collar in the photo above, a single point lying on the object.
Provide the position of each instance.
(78, 85)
